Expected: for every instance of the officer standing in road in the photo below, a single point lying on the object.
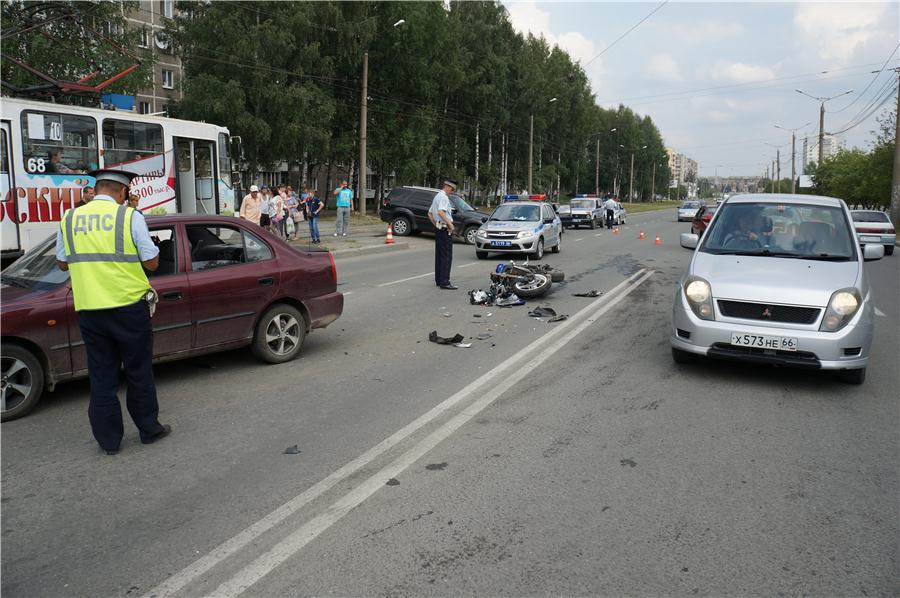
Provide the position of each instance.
(105, 245)
(441, 216)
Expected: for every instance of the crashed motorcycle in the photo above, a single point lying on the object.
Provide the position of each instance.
(525, 280)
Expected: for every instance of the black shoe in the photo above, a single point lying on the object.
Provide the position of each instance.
(449, 287)
(167, 429)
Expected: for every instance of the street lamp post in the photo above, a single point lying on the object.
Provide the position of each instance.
(793, 150)
(631, 174)
(822, 101)
(531, 146)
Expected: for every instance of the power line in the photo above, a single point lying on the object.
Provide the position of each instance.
(618, 39)
(866, 88)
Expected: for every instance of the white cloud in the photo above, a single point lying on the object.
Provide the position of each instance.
(739, 72)
(838, 30)
(705, 31)
(527, 17)
(664, 67)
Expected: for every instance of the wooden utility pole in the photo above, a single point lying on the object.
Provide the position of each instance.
(895, 182)
(363, 105)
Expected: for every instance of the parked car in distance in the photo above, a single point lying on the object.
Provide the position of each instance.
(687, 211)
(406, 210)
(794, 296)
(583, 211)
(702, 218)
(223, 283)
(874, 226)
(527, 227)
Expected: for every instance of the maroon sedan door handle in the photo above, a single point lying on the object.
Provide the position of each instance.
(267, 281)
(172, 295)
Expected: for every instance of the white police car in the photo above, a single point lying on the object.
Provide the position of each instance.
(521, 224)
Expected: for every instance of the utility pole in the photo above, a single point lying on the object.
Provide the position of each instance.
(631, 180)
(778, 168)
(895, 182)
(597, 170)
(821, 131)
(530, 149)
(363, 105)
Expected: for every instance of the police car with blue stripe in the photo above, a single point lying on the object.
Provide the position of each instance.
(521, 224)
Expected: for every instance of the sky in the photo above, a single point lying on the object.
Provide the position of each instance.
(716, 77)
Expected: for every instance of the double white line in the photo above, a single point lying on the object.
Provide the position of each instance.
(497, 381)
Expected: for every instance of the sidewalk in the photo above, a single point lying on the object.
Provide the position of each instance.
(366, 236)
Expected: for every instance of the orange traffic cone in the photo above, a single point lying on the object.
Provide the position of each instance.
(389, 240)
(641, 235)
(658, 241)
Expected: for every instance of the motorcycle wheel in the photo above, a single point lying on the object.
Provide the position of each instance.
(535, 287)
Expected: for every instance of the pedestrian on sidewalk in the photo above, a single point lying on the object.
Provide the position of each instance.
(441, 216)
(265, 206)
(344, 205)
(313, 207)
(251, 205)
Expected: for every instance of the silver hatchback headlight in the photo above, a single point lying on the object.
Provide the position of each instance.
(842, 306)
(699, 297)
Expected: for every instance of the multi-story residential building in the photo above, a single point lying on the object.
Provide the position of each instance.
(831, 145)
(150, 20)
(684, 171)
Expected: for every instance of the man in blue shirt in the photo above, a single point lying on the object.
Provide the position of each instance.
(344, 204)
(441, 216)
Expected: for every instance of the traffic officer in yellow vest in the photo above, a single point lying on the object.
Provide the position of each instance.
(106, 246)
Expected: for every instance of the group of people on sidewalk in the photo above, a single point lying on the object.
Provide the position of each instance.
(281, 211)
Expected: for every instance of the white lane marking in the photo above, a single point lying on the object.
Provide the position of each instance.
(878, 312)
(249, 534)
(387, 284)
(467, 265)
(293, 543)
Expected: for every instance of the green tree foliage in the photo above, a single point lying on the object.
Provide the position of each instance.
(68, 41)
(286, 77)
(861, 177)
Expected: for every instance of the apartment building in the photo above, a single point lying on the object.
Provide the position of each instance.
(150, 20)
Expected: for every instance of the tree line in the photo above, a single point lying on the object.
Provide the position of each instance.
(451, 93)
(452, 89)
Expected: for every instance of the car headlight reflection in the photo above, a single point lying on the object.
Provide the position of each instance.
(699, 296)
(842, 306)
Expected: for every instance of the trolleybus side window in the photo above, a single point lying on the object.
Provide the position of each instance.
(127, 141)
(224, 160)
(58, 143)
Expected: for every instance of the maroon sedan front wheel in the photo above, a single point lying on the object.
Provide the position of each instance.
(21, 381)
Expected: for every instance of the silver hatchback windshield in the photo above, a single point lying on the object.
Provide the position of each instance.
(781, 230)
(519, 213)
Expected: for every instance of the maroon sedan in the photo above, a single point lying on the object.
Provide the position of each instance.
(702, 218)
(222, 284)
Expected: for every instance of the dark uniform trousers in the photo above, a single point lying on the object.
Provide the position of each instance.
(113, 338)
(443, 257)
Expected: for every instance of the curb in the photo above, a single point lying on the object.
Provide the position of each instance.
(368, 250)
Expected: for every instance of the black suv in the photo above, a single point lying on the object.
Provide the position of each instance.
(406, 209)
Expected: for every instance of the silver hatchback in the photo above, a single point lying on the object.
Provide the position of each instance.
(777, 279)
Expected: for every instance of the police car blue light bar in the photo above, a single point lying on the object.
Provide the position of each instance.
(522, 197)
